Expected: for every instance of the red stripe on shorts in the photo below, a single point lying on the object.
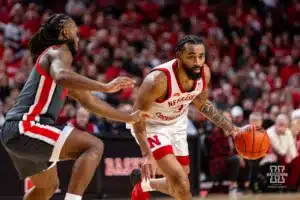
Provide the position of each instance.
(162, 151)
(183, 160)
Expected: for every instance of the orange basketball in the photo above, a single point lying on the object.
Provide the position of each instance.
(252, 143)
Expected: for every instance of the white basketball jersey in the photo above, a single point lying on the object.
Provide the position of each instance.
(174, 107)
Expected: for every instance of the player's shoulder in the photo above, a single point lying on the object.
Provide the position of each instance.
(166, 65)
(59, 52)
(157, 77)
(160, 73)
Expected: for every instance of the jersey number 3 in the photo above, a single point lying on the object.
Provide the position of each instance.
(179, 109)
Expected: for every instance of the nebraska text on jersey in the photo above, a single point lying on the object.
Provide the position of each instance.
(180, 100)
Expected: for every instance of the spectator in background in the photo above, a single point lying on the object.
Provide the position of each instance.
(295, 127)
(256, 119)
(118, 129)
(68, 112)
(281, 139)
(4, 87)
(75, 8)
(86, 28)
(237, 114)
(81, 122)
(223, 163)
(295, 114)
(284, 148)
(11, 65)
(269, 118)
(13, 31)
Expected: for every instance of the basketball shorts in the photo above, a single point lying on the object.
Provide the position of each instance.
(164, 140)
(33, 147)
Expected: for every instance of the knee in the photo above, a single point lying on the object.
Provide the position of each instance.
(98, 145)
(96, 150)
(180, 183)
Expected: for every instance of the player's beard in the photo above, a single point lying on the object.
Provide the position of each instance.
(191, 73)
(72, 47)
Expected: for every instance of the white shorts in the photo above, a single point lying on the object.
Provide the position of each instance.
(164, 140)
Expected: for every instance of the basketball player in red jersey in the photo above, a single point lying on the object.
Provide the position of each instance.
(31, 137)
(166, 93)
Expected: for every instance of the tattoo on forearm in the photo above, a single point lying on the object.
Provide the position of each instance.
(213, 114)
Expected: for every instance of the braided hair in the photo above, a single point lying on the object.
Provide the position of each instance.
(48, 34)
(193, 39)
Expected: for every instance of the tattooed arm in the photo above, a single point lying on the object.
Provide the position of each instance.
(210, 111)
(214, 115)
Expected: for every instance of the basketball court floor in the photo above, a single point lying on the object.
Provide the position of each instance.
(278, 196)
(248, 197)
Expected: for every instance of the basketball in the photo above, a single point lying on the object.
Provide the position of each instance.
(252, 143)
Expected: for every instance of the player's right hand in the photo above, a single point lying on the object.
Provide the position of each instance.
(149, 167)
(119, 83)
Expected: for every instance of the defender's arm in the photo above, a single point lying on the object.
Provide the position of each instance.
(60, 71)
(99, 107)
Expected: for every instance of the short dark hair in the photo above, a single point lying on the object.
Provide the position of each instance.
(193, 39)
(48, 34)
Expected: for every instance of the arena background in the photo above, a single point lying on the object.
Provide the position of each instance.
(253, 52)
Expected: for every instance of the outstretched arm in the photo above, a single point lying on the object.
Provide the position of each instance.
(214, 115)
(210, 111)
(60, 71)
(101, 108)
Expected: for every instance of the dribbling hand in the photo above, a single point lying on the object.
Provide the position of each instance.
(119, 83)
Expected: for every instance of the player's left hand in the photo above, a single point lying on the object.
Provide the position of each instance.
(119, 83)
(149, 167)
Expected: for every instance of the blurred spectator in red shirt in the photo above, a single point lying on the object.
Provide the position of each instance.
(75, 8)
(11, 66)
(82, 122)
(86, 28)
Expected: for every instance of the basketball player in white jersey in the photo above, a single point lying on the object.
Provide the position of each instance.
(166, 93)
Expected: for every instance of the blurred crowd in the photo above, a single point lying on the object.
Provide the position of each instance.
(253, 51)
